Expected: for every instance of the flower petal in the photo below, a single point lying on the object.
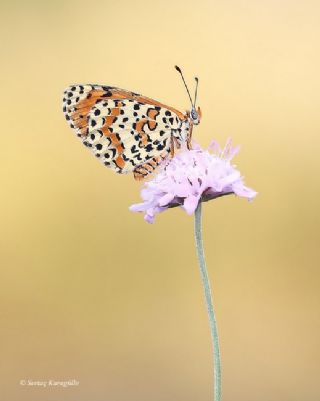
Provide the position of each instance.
(149, 219)
(138, 207)
(166, 199)
(190, 204)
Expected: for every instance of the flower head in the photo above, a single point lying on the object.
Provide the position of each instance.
(190, 177)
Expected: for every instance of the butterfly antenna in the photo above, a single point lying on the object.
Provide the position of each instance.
(180, 72)
(196, 92)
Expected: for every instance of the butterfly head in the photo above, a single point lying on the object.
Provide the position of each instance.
(195, 114)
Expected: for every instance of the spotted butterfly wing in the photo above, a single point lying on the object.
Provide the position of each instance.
(126, 131)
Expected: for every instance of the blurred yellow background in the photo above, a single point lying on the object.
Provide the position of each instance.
(91, 292)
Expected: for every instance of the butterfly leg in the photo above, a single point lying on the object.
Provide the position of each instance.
(172, 143)
(175, 144)
(189, 144)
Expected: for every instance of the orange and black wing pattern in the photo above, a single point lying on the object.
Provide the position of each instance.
(128, 132)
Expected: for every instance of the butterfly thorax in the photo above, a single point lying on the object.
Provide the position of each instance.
(182, 133)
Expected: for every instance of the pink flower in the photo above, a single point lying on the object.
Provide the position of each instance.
(190, 177)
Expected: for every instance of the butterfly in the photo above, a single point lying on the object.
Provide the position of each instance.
(128, 132)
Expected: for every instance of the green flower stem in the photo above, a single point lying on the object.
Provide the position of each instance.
(208, 298)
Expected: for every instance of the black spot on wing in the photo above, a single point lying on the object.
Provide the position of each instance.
(138, 157)
(134, 149)
(161, 146)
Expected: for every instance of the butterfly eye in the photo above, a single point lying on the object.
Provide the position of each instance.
(194, 114)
